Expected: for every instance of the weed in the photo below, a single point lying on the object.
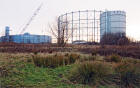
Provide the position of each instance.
(73, 57)
(38, 60)
(89, 72)
(54, 60)
(29, 60)
(129, 74)
(94, 53)
(92, 58)
(113, 58)
(131, 60)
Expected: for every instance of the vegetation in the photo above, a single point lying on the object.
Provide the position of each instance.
(124, 73)
(90, 72)
(115, 39)
(113, 58)
(129, 73)
(131, 50)
(55, 60)
(106, 50)
(87, 66)
(21, 73)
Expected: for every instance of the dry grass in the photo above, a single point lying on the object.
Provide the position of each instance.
(55, 60)
(129, 73)
(7, 58)
(90, 72)
(126, 50)
(113, 58)
(123, 72)
(88, 68)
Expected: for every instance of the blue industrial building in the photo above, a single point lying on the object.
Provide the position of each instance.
(25, 38)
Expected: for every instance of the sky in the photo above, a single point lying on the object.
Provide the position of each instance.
(16, 13)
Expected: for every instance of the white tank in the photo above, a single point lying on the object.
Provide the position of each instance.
(112, 22)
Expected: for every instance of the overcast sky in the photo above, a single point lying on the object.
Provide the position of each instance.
(16, 13)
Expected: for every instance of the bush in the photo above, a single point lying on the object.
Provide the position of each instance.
(73, 57)
(123, 41)
(29, 60)
(38, 60)
(50, 60)
(115, 39)
(94, 53)
(131, 60)
(126, 66)
(129, 74)
(54, 60)
(113, 58)
(87, 58)
(89, 72)
(91, 58)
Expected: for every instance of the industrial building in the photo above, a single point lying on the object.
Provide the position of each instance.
(25, 38)
(91, 25)
(112, 22)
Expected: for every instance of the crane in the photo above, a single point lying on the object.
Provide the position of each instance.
(31, 19)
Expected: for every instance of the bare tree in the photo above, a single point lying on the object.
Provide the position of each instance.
(60, 32)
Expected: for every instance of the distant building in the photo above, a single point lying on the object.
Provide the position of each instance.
(7, 29)
(112, 22)
(79, 42)
(25, 38)
(91, 25)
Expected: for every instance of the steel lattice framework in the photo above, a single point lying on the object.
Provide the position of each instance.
(81, 25)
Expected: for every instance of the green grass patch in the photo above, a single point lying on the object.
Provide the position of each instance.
(28, 75)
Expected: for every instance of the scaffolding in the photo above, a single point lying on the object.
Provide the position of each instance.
(81, 25)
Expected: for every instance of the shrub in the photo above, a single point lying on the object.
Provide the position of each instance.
(84, 58)
(4, 71)
(54, 60)
(29, 60)
(115, 39)
(94, 53)
(73, 57)
(129, 74)
(66, 54)
(126, 66)
(38, 60)
(89, 72)
(113, 58)
(87, 58)
(131, 60)
(35, 52)
(50, 60)
(91, 58)
(123, 41)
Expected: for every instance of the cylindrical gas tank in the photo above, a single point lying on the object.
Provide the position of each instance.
(112, 22)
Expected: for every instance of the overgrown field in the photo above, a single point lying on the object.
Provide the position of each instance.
(125, 50)
(68, 70)
(18, 70)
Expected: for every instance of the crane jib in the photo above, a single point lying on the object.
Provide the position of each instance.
(31, 19)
